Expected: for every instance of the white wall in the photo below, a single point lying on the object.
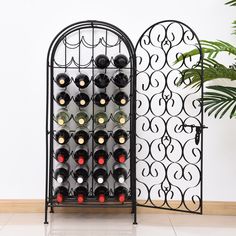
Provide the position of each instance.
(27, 28)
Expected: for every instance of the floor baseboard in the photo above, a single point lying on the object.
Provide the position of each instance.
(37, 206)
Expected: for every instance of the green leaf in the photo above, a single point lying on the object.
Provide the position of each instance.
(220, 100)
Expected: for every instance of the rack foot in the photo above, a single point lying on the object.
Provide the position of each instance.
(135, 223)
(46, 222)
(51, 210)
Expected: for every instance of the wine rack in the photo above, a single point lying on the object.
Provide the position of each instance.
(91, 52)
(96, 79)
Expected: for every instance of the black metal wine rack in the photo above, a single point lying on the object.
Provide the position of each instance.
(167, 146)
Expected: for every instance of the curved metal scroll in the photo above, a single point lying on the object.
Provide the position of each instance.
(169, 114)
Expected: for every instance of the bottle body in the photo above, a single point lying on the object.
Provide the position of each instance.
(119, 153)
(120, 61)
(81, 174)
(82, 100)
(120, 80)
(101, 118)
(63, 98)
(121, 192)
(100, 174)
(61, 192)
(102, 61)
(81, 118)
(120, 173)
(101, 99)
(100, 136)
(62, 80)
(81, 136)
(62, 116)
(120, 135)
(100, 155)
(62, 136)
(61, 173)
(82, 81)
(81, 155)
(120, 117)
(81, 192)
(101, 192)
(62, 154)
(102, 81)
(121, 98)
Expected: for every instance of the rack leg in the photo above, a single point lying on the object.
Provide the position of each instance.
(135, 218)
(51, 210)
(46, 213)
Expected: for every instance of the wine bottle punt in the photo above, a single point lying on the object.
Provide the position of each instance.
(62, 116)
(102, 61)
(81, 174)
(61, 173)
(102, 192)
(100, 155)
(62, 136)
(81, 155)
(102, 81)
(120, 172)
(101, 99)
(121, 98)
(120, 135)
(100, 136)
(62, 80)
(82, 81)
(100, 174)
(121, 192)
(62, 154)
(81, 118)
(81, 193)
(81, 136)
(120, 80)
(119, 153)
(63, 98)
(82, 99)
(120, 117)
(62, 192)
(120, 61)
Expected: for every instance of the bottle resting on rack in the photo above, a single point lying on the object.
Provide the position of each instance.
(101, 118)
(61, 173)
(120, 173)
(102, 61)
(81, 155)
(62, 80)
(121, 192)
(119, 135)
(62, 191)
(102, 81)
(82, 81)
(81, 174)
(102, 192)
(120, 79)
(101, 99)
(81, 118)
(100, 155)
(120, 61)
(62, 136)
(121, 98)
(81, 192)
(81, 136)
(62, 116)
(62, 154)
(119, 153)
(82, 100)
(63, 98)
(100, 136)
(120, 117)
(100, 174)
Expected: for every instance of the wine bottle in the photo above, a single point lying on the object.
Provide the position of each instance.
(82, 99)
(81, 155)
(120, 61)
(100, 155)
(101, 99)
(62, 154)
(119, 153)
(120, 172)
(101, 192)
(121, 192)
(82, 81)
(61, 173)
(81, 136)
(81, 193)
(119, 135)
(61, 192)
(102, 61)
(63, 98)
(100, 136)
(81, 174)
(62, 116)
(120, 80)
(100, 174)
(121, 98)
(120, 117)
(102, 81)
(81, 118)
(62, 80)
(101, 118)
(62, 136)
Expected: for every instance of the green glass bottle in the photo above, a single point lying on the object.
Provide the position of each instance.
(120, 117)
(101, 118)
(62, 116)
(81, 118)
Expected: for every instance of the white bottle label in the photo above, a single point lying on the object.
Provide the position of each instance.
(59, 179)
(80, 180)
(100, 179)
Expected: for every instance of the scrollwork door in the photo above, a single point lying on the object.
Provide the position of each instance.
(169, 119)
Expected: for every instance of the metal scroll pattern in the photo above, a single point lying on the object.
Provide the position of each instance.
(169, 159)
